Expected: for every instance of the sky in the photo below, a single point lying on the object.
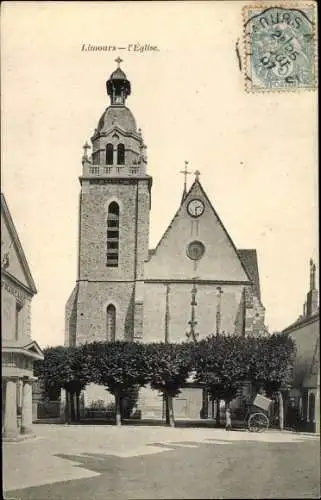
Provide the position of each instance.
(257, 153)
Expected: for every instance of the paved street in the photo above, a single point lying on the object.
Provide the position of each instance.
(99, 462)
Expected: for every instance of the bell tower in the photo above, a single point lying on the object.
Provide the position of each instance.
(107, 301)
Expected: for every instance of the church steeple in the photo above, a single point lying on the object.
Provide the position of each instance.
(118, 87)
(117, 145)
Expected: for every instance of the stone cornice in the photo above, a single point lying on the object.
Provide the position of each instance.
(15, 287)
(117, 128)
(118, 180)
(196, 281)
(188, 281)
(21, 350)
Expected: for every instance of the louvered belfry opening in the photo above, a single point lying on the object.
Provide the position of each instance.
(120, 154)
(109, 154)
(113, 235)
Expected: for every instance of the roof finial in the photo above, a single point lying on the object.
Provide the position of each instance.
(197, 174)
(118, 61)
(85, 148)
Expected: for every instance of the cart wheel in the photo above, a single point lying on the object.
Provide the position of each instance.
(258, 422)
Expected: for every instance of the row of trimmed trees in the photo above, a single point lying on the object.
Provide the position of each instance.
(219, 364)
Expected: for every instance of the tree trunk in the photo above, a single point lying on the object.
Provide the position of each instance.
(72, 407)
(166, 402)
(213, 408)
(63, 405)
(228, 420)
(170, 411)
(281, 411)
(122, 406)
(68, 407)
(218, 418)
(77, 407)
(204, 411)
(117, 408)
(286, 407)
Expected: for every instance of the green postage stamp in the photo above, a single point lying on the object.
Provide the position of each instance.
(280, 46)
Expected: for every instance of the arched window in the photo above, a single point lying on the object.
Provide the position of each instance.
(109, 154)
(111, 323)
(120, 154)
(113, 235)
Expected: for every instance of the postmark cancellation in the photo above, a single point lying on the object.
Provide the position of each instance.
(280, 46)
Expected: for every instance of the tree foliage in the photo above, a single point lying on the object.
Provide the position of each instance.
(119, 366)
(169, 366)
(64, 367)
(271, 361)
(221, 365)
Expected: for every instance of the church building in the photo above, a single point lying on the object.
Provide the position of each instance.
(193, 284)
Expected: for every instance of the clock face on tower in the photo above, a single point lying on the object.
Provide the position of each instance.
(195, 208)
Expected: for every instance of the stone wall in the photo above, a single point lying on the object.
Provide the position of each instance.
(180, 310)
(93, 227)
(93, 299)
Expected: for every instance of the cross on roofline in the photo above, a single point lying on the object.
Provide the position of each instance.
(118, 61)
(197, 174)
(186, 172)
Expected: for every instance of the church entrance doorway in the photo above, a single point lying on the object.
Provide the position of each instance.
(188, 404)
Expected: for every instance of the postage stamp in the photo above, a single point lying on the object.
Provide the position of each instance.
(280, 47)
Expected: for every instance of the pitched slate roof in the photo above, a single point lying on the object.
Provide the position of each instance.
(249, 259)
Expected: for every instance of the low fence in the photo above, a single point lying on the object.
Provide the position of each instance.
(51, 409)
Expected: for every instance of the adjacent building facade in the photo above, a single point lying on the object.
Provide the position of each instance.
(18, 350)
(306, 333)
(124, 289)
